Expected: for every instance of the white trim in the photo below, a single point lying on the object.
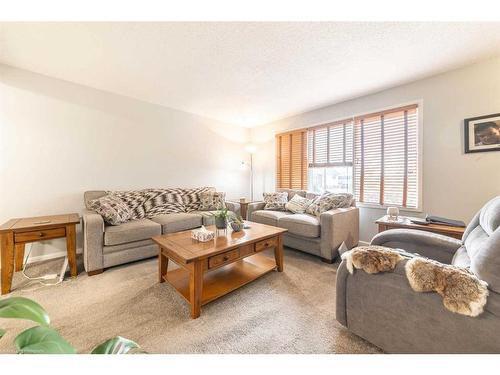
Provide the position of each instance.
(43, 257)
(363, 243)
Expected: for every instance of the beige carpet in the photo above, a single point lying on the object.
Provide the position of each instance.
(290, 312)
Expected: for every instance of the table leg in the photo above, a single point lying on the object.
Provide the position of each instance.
(278, 254)
(196, 288)
(162, 266)
(7, 257)
(382, 228)
(19, 256)
(71, 248)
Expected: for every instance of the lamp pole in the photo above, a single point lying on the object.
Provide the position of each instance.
(251, 177)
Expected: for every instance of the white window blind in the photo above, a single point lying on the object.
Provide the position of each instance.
(330, 145)
(386, 157)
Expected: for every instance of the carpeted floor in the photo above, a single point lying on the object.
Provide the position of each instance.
(290, 312)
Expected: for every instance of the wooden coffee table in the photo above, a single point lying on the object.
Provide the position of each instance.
(209, 270)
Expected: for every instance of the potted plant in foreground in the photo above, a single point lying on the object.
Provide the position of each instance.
(221, 218)
(44, 339)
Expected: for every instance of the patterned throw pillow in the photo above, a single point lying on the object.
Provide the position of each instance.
(329, 201)
(112, 209)
(212, 200)
(298, 204)
(192, 197)
(275, 201)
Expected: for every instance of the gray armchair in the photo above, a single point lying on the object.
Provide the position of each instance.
(384, 310)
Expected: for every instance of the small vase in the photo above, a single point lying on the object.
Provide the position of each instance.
(236, 226)
(220, 222)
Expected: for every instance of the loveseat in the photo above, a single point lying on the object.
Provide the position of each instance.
(384, 310)
(107, 245)
(318, 235)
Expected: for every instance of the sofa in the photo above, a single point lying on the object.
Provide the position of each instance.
(110, 245)
(320, 236)
(384, 310)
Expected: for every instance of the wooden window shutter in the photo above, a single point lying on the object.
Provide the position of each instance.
(291, 160)
(386, 157)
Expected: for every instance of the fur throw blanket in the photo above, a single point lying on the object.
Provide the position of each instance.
(462, 291)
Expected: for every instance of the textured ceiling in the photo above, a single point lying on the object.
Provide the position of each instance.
(245, 73)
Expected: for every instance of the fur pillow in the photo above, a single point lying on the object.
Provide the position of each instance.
(275, 201)
(113, 210)
(212, 200)
(329, 201)
(298, 204)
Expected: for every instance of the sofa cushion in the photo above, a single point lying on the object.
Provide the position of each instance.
(171, 223)
(293, 192)
(208, 216)
(134, 230)
(192, 197)
(298, 204)
(329, 201)
(268, 217)
(301, 225)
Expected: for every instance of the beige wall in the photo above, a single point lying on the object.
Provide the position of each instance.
(454, 184)
(59, 139)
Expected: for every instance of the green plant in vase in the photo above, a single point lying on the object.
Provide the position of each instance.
(44, 339)
(221, 218)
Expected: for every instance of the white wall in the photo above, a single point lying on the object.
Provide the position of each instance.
(59, 139)
(455, 184)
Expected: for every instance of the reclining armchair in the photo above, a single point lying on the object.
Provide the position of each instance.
(384, 310)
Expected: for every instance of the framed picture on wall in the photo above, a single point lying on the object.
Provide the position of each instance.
(482, 133)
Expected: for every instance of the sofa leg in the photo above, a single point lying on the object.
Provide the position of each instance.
(95, 272)
(326, 260)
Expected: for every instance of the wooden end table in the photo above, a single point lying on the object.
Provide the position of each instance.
(15, 233)
(209, 270)
(384, 223)
(243, 207)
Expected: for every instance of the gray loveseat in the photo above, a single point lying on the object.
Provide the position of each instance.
(384, 310)
(110, 245)
(318, 236)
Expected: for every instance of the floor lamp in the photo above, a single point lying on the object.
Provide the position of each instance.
(251, 149)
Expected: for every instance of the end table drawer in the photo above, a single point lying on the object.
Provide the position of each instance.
(39, 235)
(224, 258)
(266, 244)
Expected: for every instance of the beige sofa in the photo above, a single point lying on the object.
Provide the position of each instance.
(320, 236)
(110, 245)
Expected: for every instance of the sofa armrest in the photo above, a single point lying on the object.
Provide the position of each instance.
(93, 237)
(431, 245)
(337, 226)
(254, 206)
(234, 206)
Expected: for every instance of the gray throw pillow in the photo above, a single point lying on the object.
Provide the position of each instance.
(113, 210)
(212, 200)
(329, 201)
(275, 201)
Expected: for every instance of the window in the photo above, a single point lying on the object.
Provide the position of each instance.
(291, 160)
(386, 157)
(374, 156)
(330, 157)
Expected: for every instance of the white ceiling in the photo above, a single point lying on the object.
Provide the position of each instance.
(245, 73)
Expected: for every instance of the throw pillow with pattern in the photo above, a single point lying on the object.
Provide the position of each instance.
(329, 201)
(298, 204)
(275, 201)
(212, 200)
(113, 210)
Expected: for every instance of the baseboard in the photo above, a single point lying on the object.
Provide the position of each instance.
(40, 258)
(363, 243)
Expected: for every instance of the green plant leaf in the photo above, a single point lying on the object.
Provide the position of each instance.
(23, 308)
(2, 332)
(116, 345)
(42, 340)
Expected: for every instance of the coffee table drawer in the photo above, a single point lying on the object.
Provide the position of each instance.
(224, 258)
(266, 244)
(247, 250)
(40, 235)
